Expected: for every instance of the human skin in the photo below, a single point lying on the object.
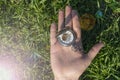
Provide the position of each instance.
(66, 63)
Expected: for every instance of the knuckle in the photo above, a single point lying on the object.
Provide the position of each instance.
(94, 49)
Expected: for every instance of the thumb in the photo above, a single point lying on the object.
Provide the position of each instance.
(94, 50)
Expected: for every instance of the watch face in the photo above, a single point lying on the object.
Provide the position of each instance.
(66, 37)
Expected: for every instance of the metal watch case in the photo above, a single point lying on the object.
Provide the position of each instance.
(66, 37)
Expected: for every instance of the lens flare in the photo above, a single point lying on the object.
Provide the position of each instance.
(9, 68)
(5, 74)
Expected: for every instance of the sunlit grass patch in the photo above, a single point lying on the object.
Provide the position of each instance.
(24, 33)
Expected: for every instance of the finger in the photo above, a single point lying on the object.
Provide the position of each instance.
(76, 24)
(60, 20)
(68, 16)
(53, 34)
(94, 50)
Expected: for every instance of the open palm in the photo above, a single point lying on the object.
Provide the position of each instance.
(66, 63)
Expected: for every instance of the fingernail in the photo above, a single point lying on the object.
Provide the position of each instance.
(53, 24)
(103, 44)
(68, 7)
(61, 12)
(61, 9)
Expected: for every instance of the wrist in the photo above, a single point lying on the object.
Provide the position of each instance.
(65, 78)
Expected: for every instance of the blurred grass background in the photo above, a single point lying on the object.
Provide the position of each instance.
(24, 33)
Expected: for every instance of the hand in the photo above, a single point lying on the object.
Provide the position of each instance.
(66, 63)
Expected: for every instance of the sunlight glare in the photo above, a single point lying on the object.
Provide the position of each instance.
(5, 74)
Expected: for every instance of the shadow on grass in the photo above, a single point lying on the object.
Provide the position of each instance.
(89, 38)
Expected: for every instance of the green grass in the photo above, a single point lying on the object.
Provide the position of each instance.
(24, 29)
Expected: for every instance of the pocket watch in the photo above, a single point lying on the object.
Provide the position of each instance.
(66, 37)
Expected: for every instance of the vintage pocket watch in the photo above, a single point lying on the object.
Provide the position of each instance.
(66, 37)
